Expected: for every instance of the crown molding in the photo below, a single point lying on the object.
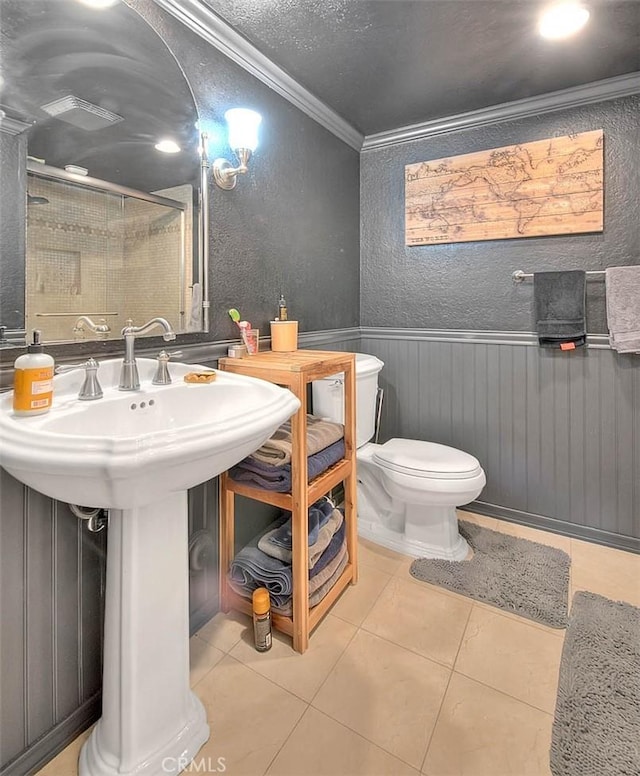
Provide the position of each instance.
(12, 126)
(585, 94)
(209, 26)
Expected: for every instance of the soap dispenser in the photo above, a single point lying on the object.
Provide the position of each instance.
(33, 380)
(282, 308)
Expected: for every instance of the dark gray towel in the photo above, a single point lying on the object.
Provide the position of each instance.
(559, 299)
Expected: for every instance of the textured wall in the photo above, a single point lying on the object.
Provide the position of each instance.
(468, 285)
(292, 223)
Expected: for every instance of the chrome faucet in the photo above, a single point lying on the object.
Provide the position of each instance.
(101, 329)
(129, 379)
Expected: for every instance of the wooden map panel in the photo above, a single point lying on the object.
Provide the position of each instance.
(552, 186)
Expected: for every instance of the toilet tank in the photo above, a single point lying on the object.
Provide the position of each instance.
(328, 397)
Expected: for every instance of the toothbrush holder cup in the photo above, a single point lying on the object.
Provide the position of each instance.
(251, 338)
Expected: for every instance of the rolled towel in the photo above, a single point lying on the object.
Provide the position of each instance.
(319, 514)
(251, 568)
(559, 299)
(622, 286)
(325, 535)
(276, 451)
(315, 598)
(317, 584)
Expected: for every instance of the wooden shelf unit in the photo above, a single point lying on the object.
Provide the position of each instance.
(295, 371)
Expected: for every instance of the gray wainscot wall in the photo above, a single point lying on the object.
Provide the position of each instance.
(558, 434)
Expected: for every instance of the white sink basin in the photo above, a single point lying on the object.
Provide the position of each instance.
(130, 447)
(136, 453)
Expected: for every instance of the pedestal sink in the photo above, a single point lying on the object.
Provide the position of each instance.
(136, 453)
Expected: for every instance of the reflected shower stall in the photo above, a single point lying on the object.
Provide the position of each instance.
(106, 251)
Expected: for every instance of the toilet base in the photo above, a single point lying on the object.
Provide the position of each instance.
(379, 534)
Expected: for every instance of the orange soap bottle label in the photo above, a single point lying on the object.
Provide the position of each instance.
(33, 388)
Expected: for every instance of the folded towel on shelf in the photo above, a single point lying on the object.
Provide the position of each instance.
(278, 478)
(314, 599)
(251, 568)
(559, 300)
(327, 557)
(319, 514)
(622, 286)
(276, 451)
(325, 535)
(283, 606)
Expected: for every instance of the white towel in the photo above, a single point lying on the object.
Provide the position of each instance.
(195, 313)
(623, 308)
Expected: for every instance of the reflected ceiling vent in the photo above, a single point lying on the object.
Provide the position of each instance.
(80, 113)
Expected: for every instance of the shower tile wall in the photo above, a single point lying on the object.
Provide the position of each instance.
(72, 242)
(152, 241)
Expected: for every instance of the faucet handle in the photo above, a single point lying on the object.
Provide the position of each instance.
(91, 388)
(162, 376)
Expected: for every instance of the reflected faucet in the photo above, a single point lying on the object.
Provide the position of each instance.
(129, 379)
(101, 329)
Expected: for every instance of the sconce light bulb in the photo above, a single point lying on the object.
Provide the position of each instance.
(243, 128)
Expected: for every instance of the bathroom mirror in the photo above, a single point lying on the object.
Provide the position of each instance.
(112, 222)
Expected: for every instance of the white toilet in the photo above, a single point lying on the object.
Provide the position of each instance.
(408, 490)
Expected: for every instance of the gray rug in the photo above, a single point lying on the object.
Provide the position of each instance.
(519, 576)
(596, 730)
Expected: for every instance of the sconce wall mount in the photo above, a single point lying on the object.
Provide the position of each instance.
(243, 139)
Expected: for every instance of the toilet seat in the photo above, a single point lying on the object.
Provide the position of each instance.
(415, 458)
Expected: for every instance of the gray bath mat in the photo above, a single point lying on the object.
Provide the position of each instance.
(596, 730)
(523, 577)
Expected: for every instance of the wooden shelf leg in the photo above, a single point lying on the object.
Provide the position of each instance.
(300, 521)
(227, 525)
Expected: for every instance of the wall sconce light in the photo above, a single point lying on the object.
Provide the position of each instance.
(243, 139)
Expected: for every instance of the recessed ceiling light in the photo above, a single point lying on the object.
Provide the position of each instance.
(563, 20)
(98, 3)
(167, 147)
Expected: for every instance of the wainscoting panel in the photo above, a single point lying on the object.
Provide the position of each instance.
(557, 434)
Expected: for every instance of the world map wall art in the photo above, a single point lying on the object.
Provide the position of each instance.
(547, 187)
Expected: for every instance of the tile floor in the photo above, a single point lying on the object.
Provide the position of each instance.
(400, 678)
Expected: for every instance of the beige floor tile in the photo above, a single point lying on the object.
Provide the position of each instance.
(512, 656)
(420, 618)
(300, 674)
(535, 535)
(225, 630)
(378, 557)
(66, 763)
(320, 746)
(483, 520)
(250, 718)
(612, 573)
(385, 693)
(482, 732)
(202, 658)
(356, 601)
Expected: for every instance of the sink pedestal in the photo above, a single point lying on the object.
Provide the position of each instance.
(151, 721)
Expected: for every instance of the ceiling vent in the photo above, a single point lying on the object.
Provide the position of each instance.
(80, 113)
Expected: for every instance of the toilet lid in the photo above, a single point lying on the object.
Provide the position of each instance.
(426, 459)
